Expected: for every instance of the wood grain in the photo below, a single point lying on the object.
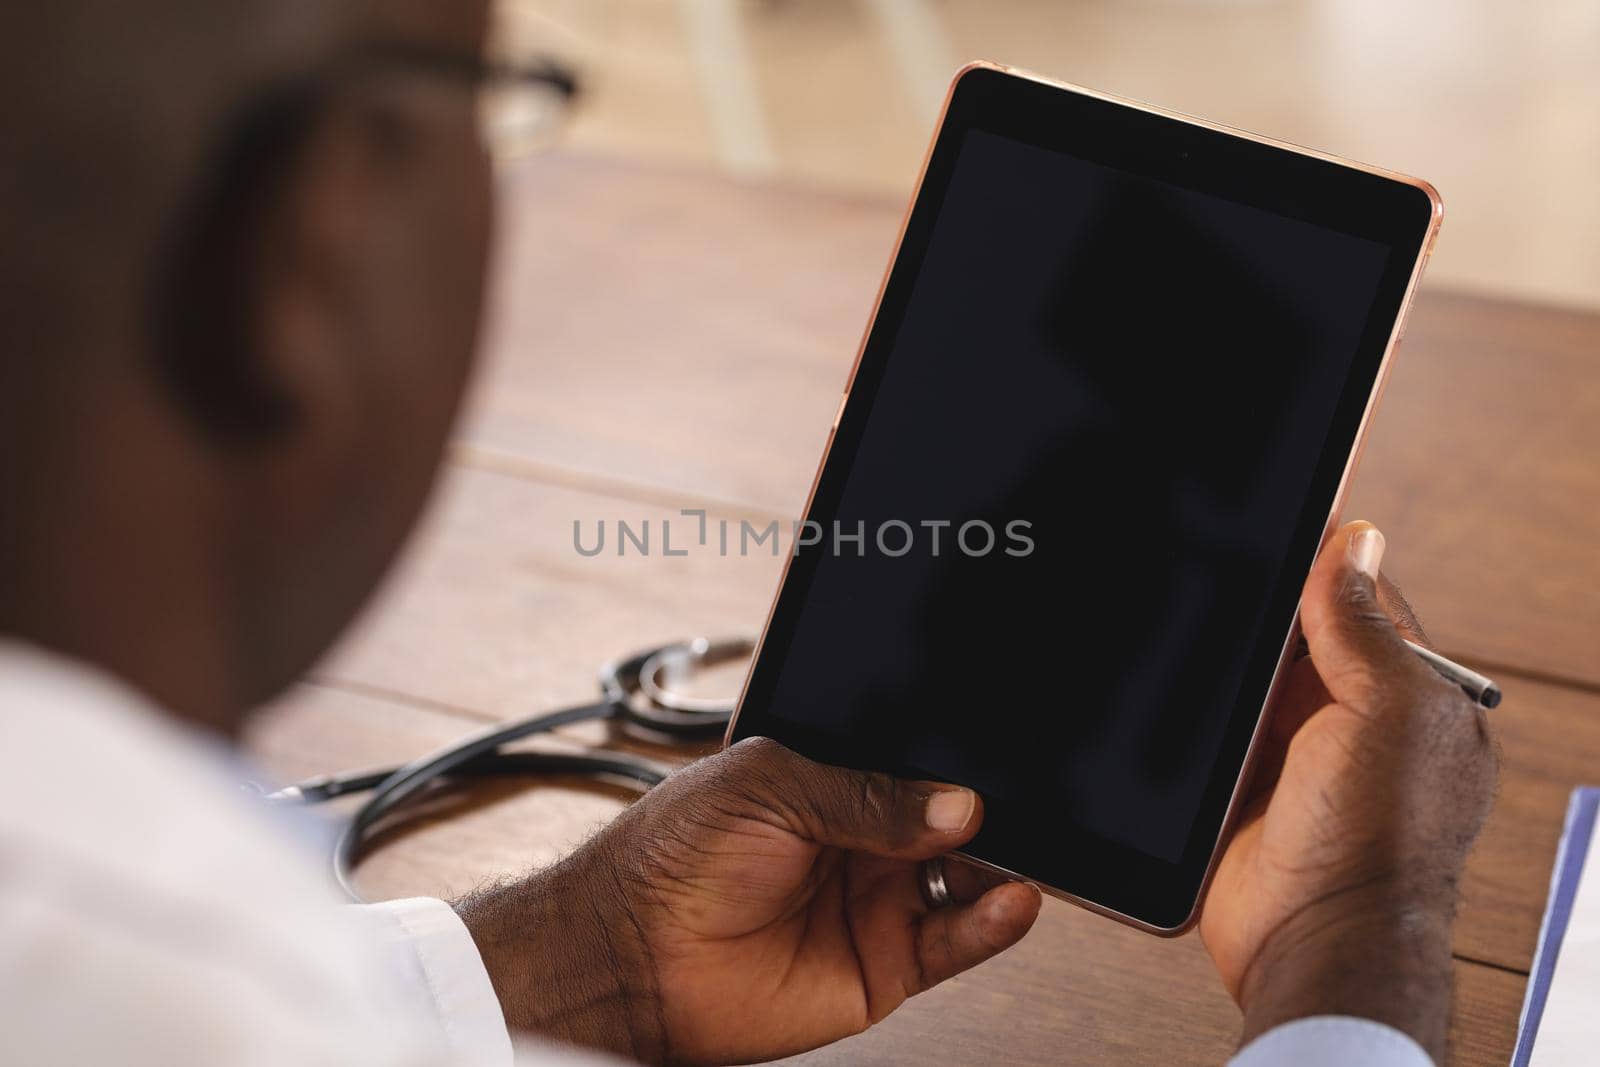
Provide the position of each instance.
(1061, 998)
(1550, 744)
(1488, 1003)
(684, 334)
(496, 613)
(1481, 469)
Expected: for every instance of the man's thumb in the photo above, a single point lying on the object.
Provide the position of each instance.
(856, 810)
(1354, 644)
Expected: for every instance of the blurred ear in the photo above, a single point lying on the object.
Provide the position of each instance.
(308, 312)
(255, 326)
(374, 289)
(365, 291)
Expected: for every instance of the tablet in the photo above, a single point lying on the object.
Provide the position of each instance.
(1103, 416)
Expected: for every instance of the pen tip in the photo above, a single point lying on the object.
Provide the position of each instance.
(1491, 697)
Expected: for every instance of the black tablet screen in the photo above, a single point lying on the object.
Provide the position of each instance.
(1046, 565)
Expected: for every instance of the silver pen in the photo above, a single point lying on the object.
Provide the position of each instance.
(1475, 685)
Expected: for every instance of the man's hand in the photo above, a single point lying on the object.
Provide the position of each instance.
(754, 905)
(1337, 892)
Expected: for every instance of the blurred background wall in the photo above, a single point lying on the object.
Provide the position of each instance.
(1495, 101)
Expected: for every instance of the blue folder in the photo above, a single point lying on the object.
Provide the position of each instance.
(1575, 843)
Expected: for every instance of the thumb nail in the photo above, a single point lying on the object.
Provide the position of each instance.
(949, 810)
(1366, 550)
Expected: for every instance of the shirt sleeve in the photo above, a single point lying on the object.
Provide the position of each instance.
(1332, 1041)
(440, 977)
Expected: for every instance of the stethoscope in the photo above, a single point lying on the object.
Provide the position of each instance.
(634, 691)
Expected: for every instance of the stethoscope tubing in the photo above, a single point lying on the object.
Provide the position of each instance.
(479, 755)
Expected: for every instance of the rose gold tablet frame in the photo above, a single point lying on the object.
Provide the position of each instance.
(1285, 654)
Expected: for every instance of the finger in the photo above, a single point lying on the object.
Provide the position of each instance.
(1398, 608)
(954, 939)
(967, 881)
(1301, 694)
(855, 810)
(1354, 644)
(899, 882)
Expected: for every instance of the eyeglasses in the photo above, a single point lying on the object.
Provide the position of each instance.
(521, 103)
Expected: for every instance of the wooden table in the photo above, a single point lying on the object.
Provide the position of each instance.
(660, 341)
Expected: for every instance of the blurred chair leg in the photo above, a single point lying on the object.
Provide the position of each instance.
(922, 50)
(728, 80)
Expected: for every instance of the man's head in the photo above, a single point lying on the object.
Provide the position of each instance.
(244, 248)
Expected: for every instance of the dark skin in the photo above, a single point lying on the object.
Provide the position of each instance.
(764, 904)
(1337, 891)
(755, 904)
(211, 570)
(759, 905)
